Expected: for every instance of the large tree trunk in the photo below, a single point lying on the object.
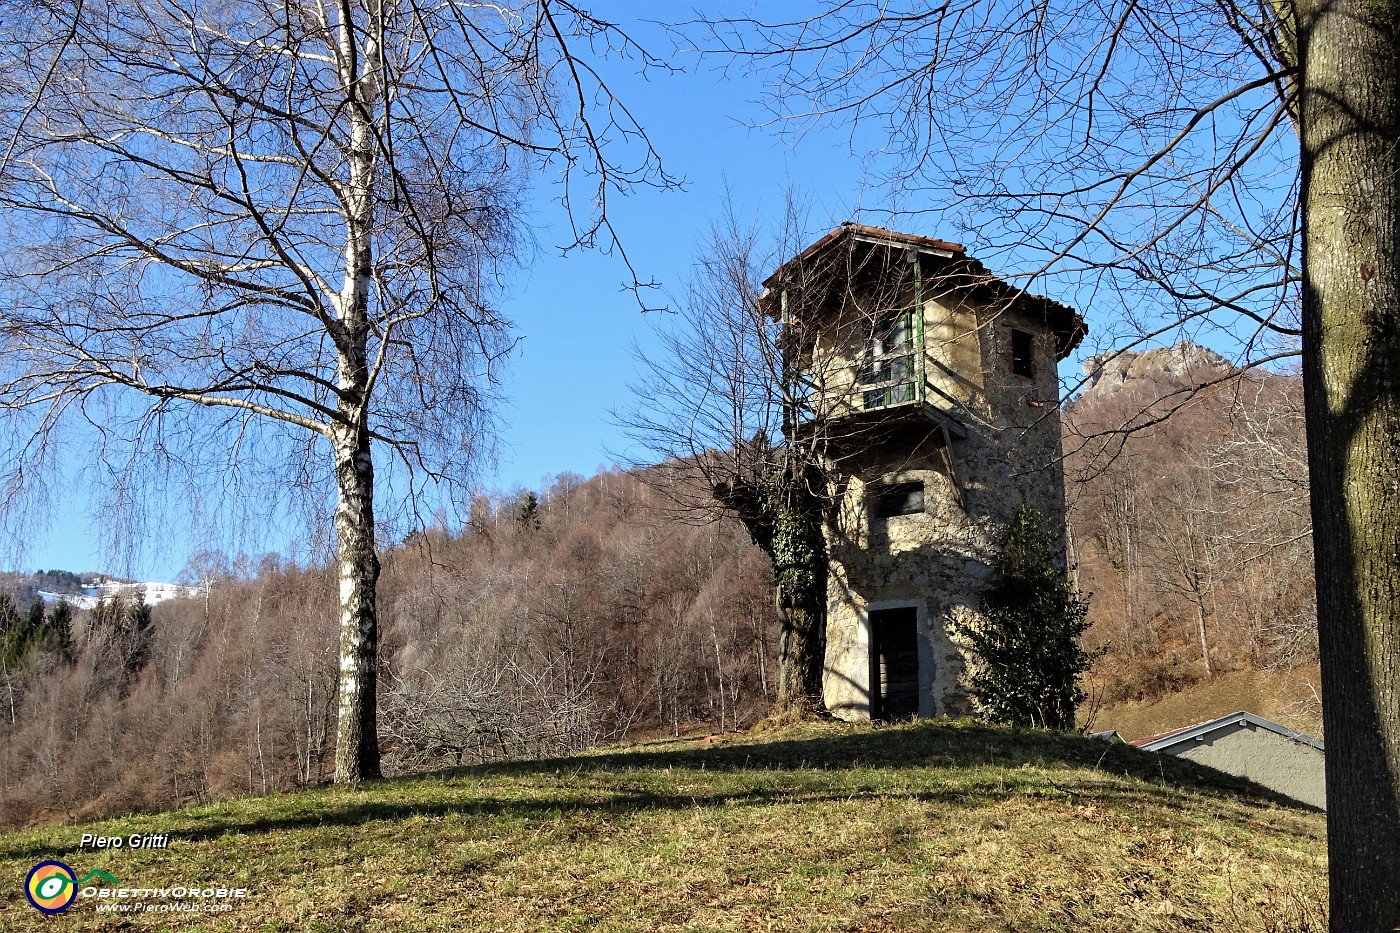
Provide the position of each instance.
(800, 565)
(786, 523)
(1350, 126)
(357, 733)
(802, 652)
(357, 743)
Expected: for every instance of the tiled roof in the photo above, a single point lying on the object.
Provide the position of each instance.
(867, 232)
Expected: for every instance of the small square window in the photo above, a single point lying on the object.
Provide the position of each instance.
(1023, 353)
(899, 499)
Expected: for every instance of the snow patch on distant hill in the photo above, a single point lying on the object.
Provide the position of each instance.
(153, 593)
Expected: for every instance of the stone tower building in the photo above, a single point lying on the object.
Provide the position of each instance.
(928, 388)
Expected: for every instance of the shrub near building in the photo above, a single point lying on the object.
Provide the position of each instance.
(1028, 638)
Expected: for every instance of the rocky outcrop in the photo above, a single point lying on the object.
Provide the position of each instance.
(1108, 372)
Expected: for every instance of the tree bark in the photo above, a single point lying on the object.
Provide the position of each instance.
(800, 565)
(357, 745)
(803, 652)
(1201, 631)
(786, 524)
(1349, 119)
(357, 734)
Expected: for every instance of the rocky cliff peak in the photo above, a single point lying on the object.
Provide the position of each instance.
(1108, 372)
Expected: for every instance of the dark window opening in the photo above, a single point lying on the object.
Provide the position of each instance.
(1023, 353)
(895, 664)
(899, 499)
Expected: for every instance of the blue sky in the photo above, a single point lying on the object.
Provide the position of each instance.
(574, 319)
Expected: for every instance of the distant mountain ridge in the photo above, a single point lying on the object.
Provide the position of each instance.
(83, 590)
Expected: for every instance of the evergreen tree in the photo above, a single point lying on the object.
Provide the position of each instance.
(36, 614)
(56, 633)
(527, 512)
(22, 636)
(137, 635)
(14, 635)
(1028, 636)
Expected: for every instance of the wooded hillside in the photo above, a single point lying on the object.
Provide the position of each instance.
(1191, 531)
(550, 623)
(591, 611)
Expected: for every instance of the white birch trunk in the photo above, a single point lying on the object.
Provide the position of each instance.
(357, 745)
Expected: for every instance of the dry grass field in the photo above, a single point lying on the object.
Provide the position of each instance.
(1289, 698)
(948, 826)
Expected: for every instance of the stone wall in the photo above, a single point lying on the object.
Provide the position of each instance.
(941, 559)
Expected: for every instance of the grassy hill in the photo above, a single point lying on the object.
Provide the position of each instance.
(1287, 697)
(933, 826)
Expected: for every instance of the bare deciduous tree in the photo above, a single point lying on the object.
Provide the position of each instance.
(1185, 549)
(293, 213)
(718, 402)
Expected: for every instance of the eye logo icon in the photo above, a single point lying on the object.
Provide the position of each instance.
(51, 887)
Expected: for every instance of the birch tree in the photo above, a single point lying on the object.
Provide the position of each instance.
(1233, 166)
(264, 235)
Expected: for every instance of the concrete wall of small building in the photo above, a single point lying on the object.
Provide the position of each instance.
(1022, 436)
(955, 371)
(1292, 768)
(834, 367)
(937, 561)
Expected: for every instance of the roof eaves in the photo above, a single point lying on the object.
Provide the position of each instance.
(877, 235)
(943, 248)
(1067, 323)
(1200, 730)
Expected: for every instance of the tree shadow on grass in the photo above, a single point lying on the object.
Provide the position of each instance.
(960, 744)
(953, 765)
